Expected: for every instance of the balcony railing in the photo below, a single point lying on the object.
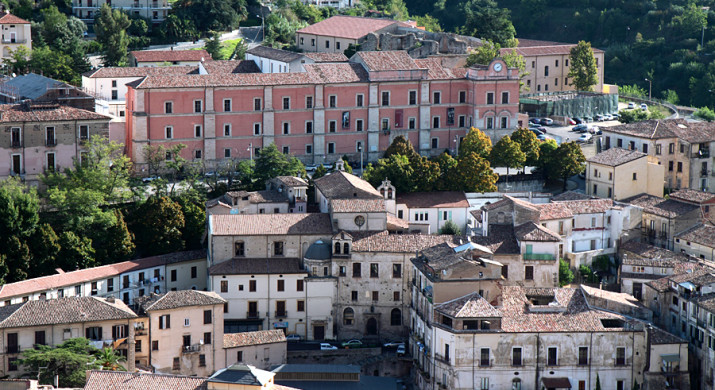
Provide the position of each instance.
(251, 314)
(281, 313)
(13, 349)
(704, 153)
(14, 41)
(51, 142)
(704, 173)
(191, 348)
(539, 256)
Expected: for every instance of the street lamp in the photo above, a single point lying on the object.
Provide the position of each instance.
(263, 26)
(360, 150)
(650, 87)
(250, 150)
(456, 145)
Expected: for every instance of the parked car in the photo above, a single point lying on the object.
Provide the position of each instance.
(644, 107)
(547, 121)
(594, 130)
(310, 168)
(393, 344)
(570, 121)
(540, 128)
(577, 120)
(631, 105)
(400, 350)
(580, 128)
(608, 117)
(599, 118)
(327, 347)
(587, 119)
(616, 116)
(536, 132)
(150, 179)
(293, 338)
(534, 120)
(542, 137)
(584, 138)
(352, 343)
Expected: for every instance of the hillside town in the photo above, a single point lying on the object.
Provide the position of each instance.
(349, 194)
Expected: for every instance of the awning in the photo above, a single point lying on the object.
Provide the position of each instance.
(670, 358)
(118, 342)
(687, 285)
(556, 383)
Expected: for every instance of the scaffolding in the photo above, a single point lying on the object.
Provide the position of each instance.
(568, 104)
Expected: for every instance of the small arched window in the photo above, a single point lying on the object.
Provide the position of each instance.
(396, 317)
(389, 193)
(346, 248)
(516, 384)
(337, 248)
(348, 316)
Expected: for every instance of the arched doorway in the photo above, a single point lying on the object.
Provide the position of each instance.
(371, 327)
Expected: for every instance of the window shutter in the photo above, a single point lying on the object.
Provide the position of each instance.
(168, 321)
(398, 118)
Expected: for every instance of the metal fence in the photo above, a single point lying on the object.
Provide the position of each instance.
(568, 104)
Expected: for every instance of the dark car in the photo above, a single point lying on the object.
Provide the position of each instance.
(580, 128)
(536, 131)
(547, 121)
(534, 120)
(577, 120)
(540, 128)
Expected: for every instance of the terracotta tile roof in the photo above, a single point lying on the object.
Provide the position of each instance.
(435, 70)
(226, 67)
(387, 60)
(274, 54)
(637, 253)
(476, 214)
(122, 380)
(345, 186)
(468, 306)
(45, 283)
(291, 181)
(394, 223)
(570, 195)
(65, 311)
(336, 73)
(701, 234)
(12, 19)
(436, 199)
(326, 57)
(567, 209)
(396, 243)
(668, 208)
(272, 265)
(19, 113)
(226, 80)
(531, 231)
(622, 298)
(651, 129)
(350, 27)
(357, 205)
(706, 301)
(500, 241)
(614, 157)
(270, 224)
(259, 337)
(546, 50)
(510, 200)
(171, 55)
(692, 196)
(659, 336)
(263, 196)
(177, 299)
(696, 132)
(663, 284)
(141, 71)
(574, 315)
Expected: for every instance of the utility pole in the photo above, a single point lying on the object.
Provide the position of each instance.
(361, 165)
(250, 150)
(650, 87)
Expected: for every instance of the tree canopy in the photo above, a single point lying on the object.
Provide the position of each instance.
(111, 28)
(583, 69)
(507, 153)
(69, 360)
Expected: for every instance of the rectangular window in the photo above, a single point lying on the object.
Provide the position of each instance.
(110, 285)
(375, 296)
(208, 317)
(278, 248)
(331, 147)
(286, 128)
(385, 124)
(207, 337)
(50, 136)
(286, 103)
(529, 272)
(281, 285)
(308, 149)
(553, 357)
(490, 97)
(173, 275)
(308, 102)
(582, 356)
(257, 104)
(197, 154)
(227, 130)
(671, 148)
(484, 357)
(462, 96)
(413, 98)
(256, 129)
(299, 285)
(437, 98)
(546, 70)
(197, 131)
(332, 126)
(490, 122)
(168, 107)
(224, 286)
(332, 101)
(169, 132)
(435, 143)
(435, 122)
(385, 98)
(354, 296)
(226, 105)
(680, 166)
(252, 285)
(374, 270)
(51, 162)
(462, 121)
(504, 122)
(505, 98)
(516, 356)
(620, 356)
(84, 132)
(359, 99)
(412, 123)
(357, 270)
(397, 270)
(94, 333)
(197, 105)
(194, 272)
(396, 296)
(12, 364)
(358, 125)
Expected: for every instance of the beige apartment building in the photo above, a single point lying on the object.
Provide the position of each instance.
(16, 32)
(155, 10)
(698, 241)
(335, 34)
(547, 65)
(621, 173)
(663, 219)
(263, 348)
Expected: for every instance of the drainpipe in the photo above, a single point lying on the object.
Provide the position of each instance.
(590, 359)
(536, 371)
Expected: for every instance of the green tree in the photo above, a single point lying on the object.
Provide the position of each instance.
(116, 243)
(507, 153)
(176, 29)
(451, 228)
(194, 220)
(425, 175)
(45, 247)
(54, 64)
(632, 90)
(475, 142)
(213, 46)
(69, 360)
(529, 144)
(109, 360)
(110, 26)
(320, 171)
(569, 160)
(547, 156)
(598, 382)
(705, 113)
(270, 163)
(474, 174)
(346, 164)
(208, 15)
(565, 273)
(583, 69)
(159, 228)
(401, 145)
(396, 168)
(18, 222)
(484, 19)
(76, 252)
(429, 22)
(447, 166)
(631, 116)
(19, 60)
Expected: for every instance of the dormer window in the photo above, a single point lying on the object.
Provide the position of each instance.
(346, 248)
(337, 248)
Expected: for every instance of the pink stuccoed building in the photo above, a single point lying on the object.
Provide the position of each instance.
(328, 111)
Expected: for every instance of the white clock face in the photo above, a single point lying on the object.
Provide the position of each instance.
(497, 67)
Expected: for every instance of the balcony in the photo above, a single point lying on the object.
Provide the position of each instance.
(704, 173)
(51, 142)
(539, 256)
(704, 153)
(442, 359)
(191, 348)
(282, 313)
(252, 314)
(18, 41)
(13, 349)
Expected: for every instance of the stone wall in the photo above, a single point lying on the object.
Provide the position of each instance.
(420, 44)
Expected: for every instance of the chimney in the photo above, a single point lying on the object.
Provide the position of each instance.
(110, 299)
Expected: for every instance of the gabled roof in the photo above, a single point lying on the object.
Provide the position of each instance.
(357, 205)
(567, 209)
(230, 66)
(650, 129)
(122, 380)
(396, 243)
(658, 336)
(641, 254)
(436, 199)
(274, 54)
(500, 240)
(177, 299)
(270, 224)
(64, 311)
(9, 18)
(259, 337)
(387, 60)
(468, 306)
(170, 55)
(242, 374)
(46, 113)
(692, 196)
(32, 86)
(351, 27)
(291, 181)
(326, 57)
(341, 184)
(250, 266)
(141, 71)
(614, 157)
(531, 231)
(668, 208)
(570, 195)
(703, 234)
